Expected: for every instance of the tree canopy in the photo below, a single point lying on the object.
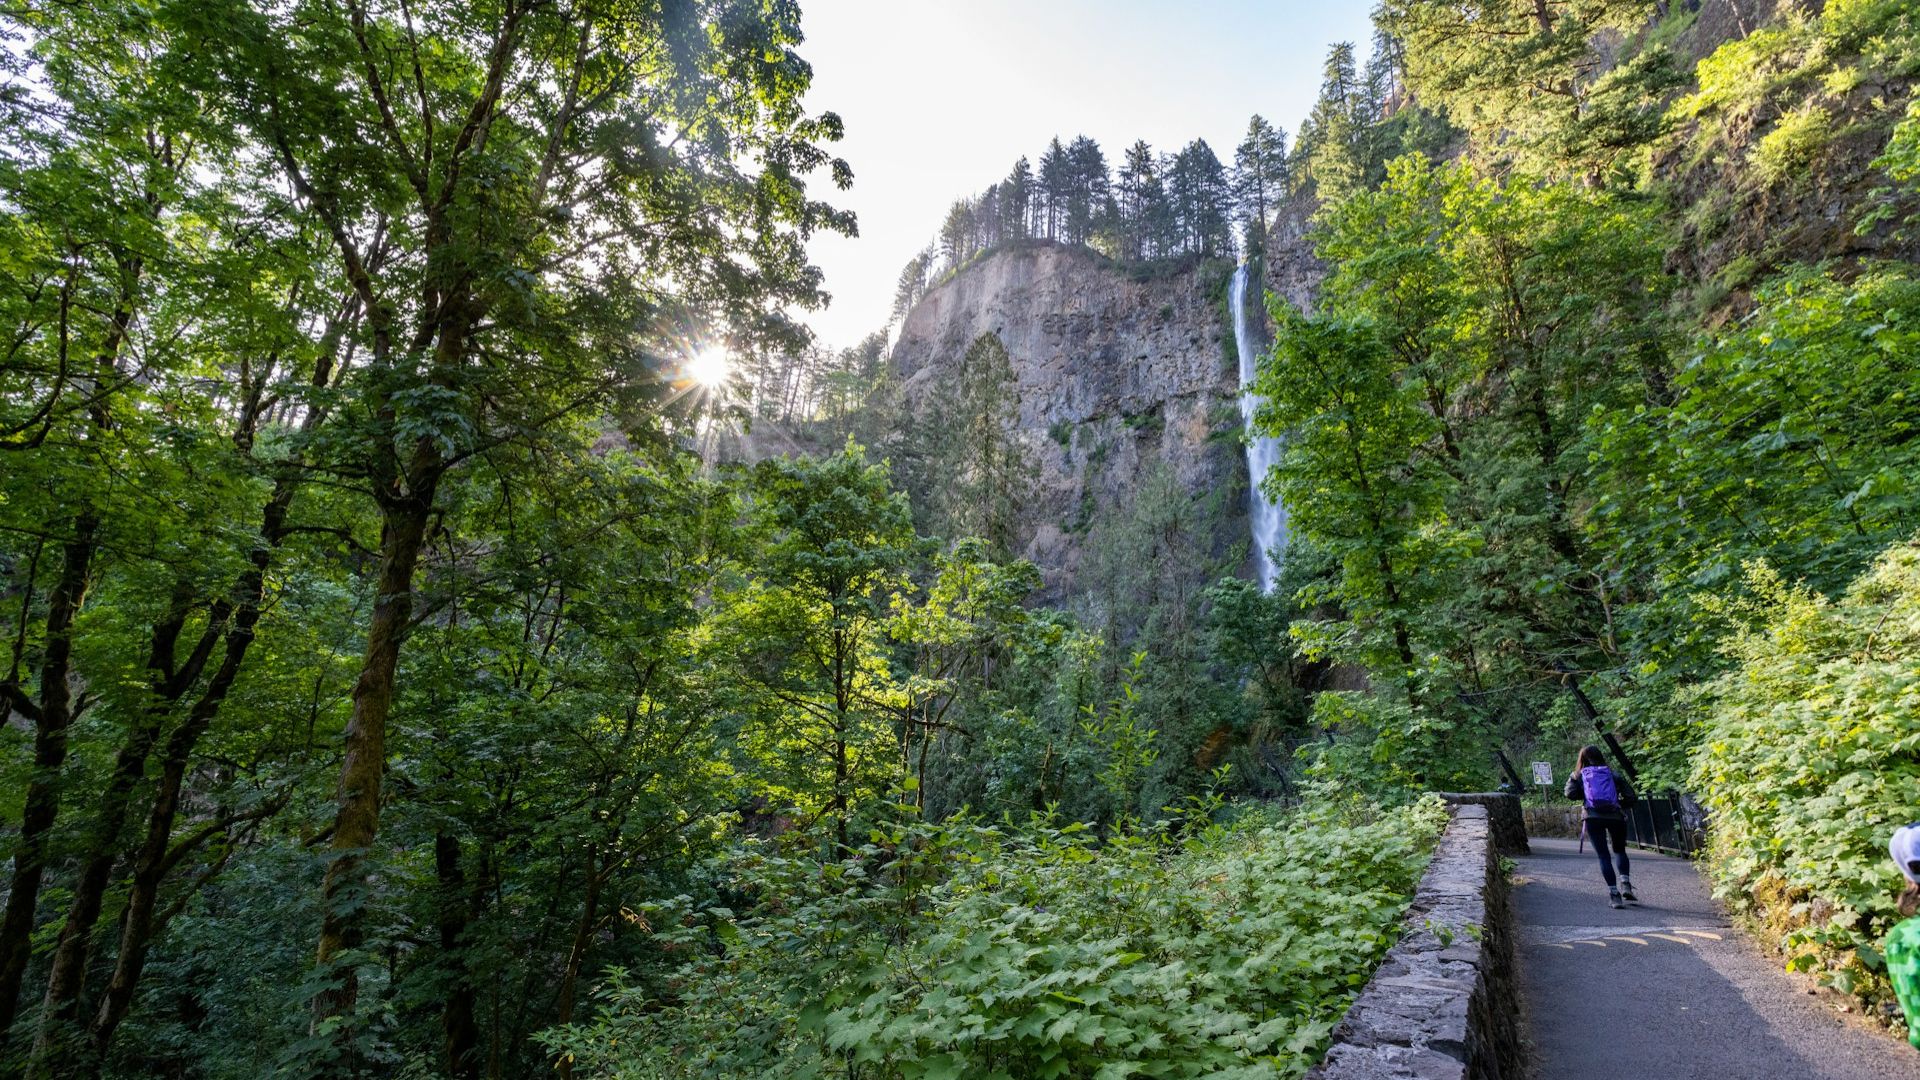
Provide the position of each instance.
(458, 623)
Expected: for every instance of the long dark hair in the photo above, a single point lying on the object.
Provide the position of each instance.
(1591, 755)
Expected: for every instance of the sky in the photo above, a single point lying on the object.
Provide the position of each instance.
(939, 98)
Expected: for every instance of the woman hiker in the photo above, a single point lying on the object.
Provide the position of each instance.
(1603, 820)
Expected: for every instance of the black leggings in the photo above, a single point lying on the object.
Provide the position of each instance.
(1601, 830)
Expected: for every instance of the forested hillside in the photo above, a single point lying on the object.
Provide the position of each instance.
(1622, 395)
(458, 623)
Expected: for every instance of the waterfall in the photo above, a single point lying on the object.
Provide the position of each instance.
(1268, 519)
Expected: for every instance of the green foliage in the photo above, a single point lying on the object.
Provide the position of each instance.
(1793, 144)
(1334, 138)
(1250, 630)
(338, 424)
(1011, 741)
(1160, 214)
(1901, 160)
(341, 410)
(1743, 72)
(1120, 740)
(964, 458)
(1666, 33)
(1038, 950)
(1902, 157)
(1788, 438)
(1808, 760)
(1434, 410)
(1793, 81)
(1526, 82)
(1903, 150)
(1143, 592)
(1885, 34)
(1260, 178)
(807, 630)
(969, 641)
(1388, 749)
(1351, 430)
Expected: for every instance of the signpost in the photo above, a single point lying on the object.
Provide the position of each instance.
(1543, 773)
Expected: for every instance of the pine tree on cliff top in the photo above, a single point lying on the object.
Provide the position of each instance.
(1259, 176)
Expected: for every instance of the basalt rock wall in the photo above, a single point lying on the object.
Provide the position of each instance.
(1121, 371)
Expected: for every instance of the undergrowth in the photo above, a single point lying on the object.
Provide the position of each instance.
(1038, 950)
(1811, 758)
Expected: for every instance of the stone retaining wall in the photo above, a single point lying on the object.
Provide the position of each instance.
(1504, 818)
(1443, 1005)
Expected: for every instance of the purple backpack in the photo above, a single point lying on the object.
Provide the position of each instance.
(1602, 794)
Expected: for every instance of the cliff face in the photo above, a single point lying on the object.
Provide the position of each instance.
(1786, 176)
(1292, 271)
(1116, 375)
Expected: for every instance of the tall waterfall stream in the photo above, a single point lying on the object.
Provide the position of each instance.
(1267, 518)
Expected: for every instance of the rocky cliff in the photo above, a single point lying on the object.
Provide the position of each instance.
(1291, 270)
(1118, 372)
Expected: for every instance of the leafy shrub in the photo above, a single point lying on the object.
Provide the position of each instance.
(1902, 157)
(1389, 748)
(1150, 421)
(1666, 33)
(1886, 33)
(1741, 72)
(1812, 757)
(1790, 439)
(1901, 160)
(1793, 145)
(1041, 951)
(1849, 44)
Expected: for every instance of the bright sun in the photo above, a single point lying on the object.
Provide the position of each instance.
(709, 368)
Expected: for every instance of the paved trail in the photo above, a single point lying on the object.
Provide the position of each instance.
(1668, 990)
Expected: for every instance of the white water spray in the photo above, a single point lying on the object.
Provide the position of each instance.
(1267, 518)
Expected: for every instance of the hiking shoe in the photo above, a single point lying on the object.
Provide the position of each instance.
(1626, 891)
(1613, 895)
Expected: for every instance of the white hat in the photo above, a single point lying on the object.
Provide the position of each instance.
(1905, 849)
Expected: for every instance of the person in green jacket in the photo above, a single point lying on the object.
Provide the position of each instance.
(1902, 947)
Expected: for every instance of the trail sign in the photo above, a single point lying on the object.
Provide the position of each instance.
(1543, 773)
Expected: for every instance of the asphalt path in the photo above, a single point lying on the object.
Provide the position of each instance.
(1668, 989)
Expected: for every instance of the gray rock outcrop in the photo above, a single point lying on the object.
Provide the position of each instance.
(1119, 371)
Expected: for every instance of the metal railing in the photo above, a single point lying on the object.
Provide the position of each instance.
(1672, 823)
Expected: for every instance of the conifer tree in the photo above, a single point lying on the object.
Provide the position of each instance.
(1338, 157)
(914, 278)
(986, 212)
(1201, 200)
(1016, 202)
(1374, 104)
(1088, 190)
(1259, 176)
(1531, 81)
(991, 469)
(1055, 178)
(1140, 199)
(956, 234)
